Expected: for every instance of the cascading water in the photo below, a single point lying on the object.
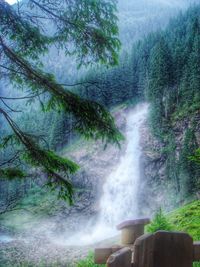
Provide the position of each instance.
(119, 199)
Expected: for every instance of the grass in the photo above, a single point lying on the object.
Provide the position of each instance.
(187, 219)
(88, 262)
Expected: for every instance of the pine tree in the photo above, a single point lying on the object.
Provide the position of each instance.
(89, 36)
(160, 77)
(194, 68)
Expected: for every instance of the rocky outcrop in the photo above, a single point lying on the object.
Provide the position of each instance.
(152, 171)
(96, 164)
(156, 189)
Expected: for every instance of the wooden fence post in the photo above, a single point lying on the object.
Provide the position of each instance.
(196, 251)
(143, 251)
(164, 249)
(131, 230)
(101, 255)
(121, 258)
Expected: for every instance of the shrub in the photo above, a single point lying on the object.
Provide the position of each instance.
(159, 222)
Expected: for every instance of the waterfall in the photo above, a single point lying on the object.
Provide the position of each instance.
(120, 191)
(119, 200)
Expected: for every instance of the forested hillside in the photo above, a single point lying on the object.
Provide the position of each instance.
(110, 87)
(64, 98)
(163, 69)
(171, 84)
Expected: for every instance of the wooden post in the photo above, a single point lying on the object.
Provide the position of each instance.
(143, 251)
(196, 251)
(101, 255)
(164, 249)
(121, 258)
(131, 230)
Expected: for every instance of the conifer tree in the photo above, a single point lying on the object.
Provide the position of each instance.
(160, 80)
(86, 29)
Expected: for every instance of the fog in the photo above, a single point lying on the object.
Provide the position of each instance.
(138, 18)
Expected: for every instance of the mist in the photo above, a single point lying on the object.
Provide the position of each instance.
(107, 185)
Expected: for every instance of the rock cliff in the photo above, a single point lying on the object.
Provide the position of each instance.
(157, 188)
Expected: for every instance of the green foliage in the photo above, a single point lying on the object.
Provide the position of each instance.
(91, 27)
(189, 169)
(187, 219)
(172, 170)
(196, 156)
(30, 42)
(85, 29)
(166, 72)
(159, 222)
(88, 262)
(160, 77)
(111, 87)
(12, 173)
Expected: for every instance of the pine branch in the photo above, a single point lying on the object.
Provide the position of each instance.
(52, 164)
(95, 121)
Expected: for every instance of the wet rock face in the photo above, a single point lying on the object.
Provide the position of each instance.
(152, 170)
(156, 190)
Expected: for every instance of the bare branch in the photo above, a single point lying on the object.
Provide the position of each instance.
(79, 83)
(22, 97)
(11, 160)
(11, 109)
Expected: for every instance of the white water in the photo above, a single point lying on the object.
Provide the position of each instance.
(5, 239)
(119, 199)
